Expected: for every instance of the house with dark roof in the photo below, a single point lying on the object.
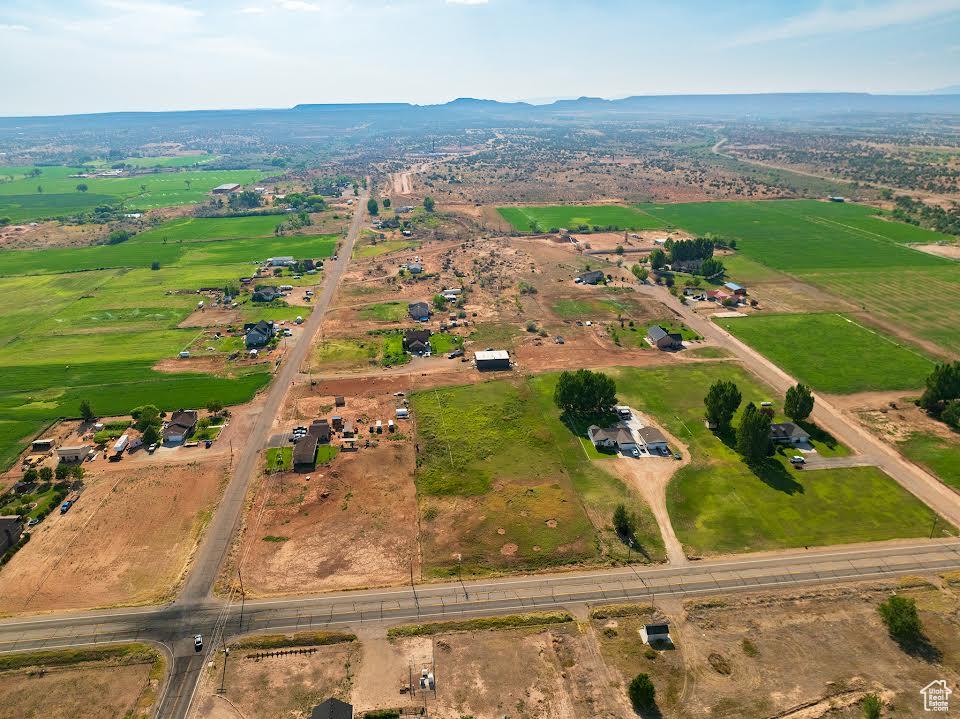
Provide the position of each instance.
(616, 438)
(593, 277)
(320, 428)
(11, 527)
(181, 425)
(663, 340)
(305, 453)
(414, 268)
(417, 342)
(258, 334)
(266, 293)
(788, 433)
(655, 633)
(332, 709)
(419, 311)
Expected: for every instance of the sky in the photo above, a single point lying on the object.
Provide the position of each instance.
(78, 56)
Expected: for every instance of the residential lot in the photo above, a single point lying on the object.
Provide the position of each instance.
(573, 217)
(115, 546)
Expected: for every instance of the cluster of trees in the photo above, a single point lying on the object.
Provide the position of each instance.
(753, 433)
(935, 217)
(246, 200)
(686, 250)
(941, 398)
(331, 186)
(301, 201)
(61, 473)
(584, 393)
(147, 420)
(118, 236)
(900, 616)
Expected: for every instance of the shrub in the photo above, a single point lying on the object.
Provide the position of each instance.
(872, 706)
(900, 616)
(642, 693)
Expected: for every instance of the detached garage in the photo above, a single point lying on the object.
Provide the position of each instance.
(492, 360)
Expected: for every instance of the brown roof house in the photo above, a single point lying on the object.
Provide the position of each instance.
(181, 425)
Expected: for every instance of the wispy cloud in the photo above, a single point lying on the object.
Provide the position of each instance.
(859, 17)
(13, 28)
(253, 11)
(467, 2)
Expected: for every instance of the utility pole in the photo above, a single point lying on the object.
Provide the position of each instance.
(243, 597)
(413, 588)
(223, 676)
(460, 575)
(933, 528)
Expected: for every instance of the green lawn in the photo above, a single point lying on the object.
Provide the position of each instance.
(383, 248)
(200, 229)
(384, 312)
(338, 354)
(496, 456)
(441, 343)
(572, 217)
(832, 353)
(718, 504)
(279, 459)
(939, 455)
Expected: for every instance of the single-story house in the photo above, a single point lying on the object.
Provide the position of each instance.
(228, 188)
(414, 268)
(613, 438)
(736, 289)
(10, 529)
(332, 709)
(717, 296)
(305, 453)
(417, 342)
(661, 339)
(653, 633)
(492, 359)
(258, 334)
(788, 433)
(593, 277)
(76, 453)
(653, 439)
(284, 261)
(181, 425)
(266, 293)
(419, 311)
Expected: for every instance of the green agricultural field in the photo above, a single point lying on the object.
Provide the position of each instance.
(573, 217)
(224, 252)
(176, 161)
(199, 229)
(801, 236)
(925, 304)
(384, 312)
(832, 353)
(939, 455)
(718, 504)
(21, 199)
(495, 456)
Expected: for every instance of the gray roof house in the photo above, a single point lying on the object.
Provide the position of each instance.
(663, 340)
(332, 709)
(417, 342)
(788, 433)
(415, 268)
(419, 311)
(652, 438)
(267, 293)
(258, 334)
(611, 438)
(180, 426)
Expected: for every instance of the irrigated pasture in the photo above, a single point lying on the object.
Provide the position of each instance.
(718, 504)
(573, 217)
(802, 236)
(54, 192)
(503, 482)
(832, 353)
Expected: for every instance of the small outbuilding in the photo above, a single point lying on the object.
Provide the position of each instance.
(492, 360)
(593, 277)
(737, 290)
(76, 453)
(656, 633)
(228, 188)
(10, 530)
(42, 445)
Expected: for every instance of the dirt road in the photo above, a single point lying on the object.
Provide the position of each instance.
(871, 449)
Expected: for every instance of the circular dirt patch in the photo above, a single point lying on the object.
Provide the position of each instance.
(501, 531)
(552, 523)
(508, 550)
(536, 547)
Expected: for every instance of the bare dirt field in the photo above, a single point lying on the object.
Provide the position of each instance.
(765, 655)
(127, 540)
(952, 251)
(118, 687)
(283, 686)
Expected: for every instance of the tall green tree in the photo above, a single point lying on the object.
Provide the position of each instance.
(712, 268)
(585, 392)
(372, 207)
(658, 259)
(624, 523)
(798, 403)
(428, 204)
(721, 402)
(753, 434)
(943, 385)
(640, 272)
(151, 435)
(86, 411)
(642, 693)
